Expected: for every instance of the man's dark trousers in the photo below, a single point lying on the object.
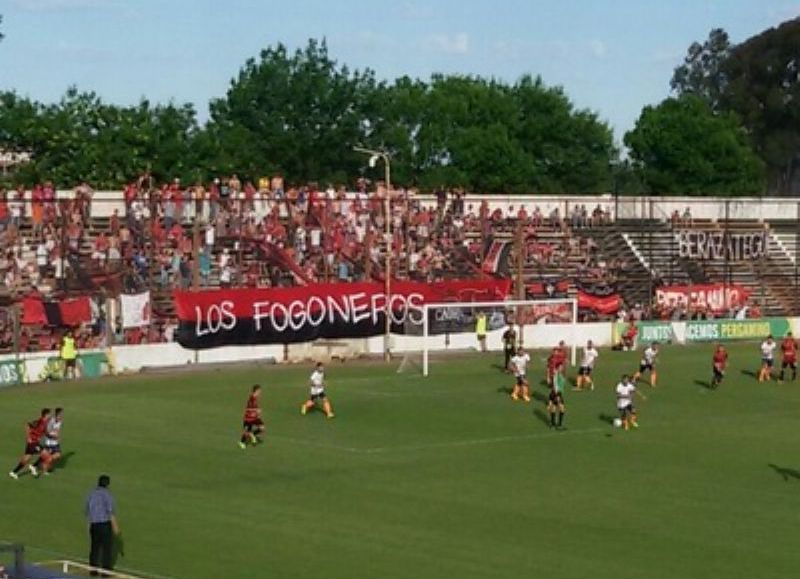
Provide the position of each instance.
(102, 545)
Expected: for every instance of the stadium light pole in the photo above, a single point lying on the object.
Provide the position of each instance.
(374, 156)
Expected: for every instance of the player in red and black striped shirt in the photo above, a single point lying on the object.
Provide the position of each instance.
(789, 355)
(252, 423)
(34, 431)
(719, 363)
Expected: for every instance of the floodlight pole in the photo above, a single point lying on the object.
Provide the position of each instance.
(387, 208)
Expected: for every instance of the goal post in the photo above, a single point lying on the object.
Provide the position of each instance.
(522, 313)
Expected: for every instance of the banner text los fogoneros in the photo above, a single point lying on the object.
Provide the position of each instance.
(301, 314)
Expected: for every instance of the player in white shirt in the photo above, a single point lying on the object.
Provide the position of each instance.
(767, 359)
(625, 391)
(317, 393)
(590, 355)
(519, 366)
(648, 364)
(51, 449)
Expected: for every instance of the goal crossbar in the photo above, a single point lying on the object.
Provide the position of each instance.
(573, 338)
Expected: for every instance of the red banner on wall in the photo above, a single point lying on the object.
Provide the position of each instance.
(302, 314)
(716, 297)
(71, 312)
(608, 304)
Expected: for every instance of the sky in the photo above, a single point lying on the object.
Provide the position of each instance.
(610, 56)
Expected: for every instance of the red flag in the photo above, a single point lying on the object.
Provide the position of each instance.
(75, 312)
(33, 312)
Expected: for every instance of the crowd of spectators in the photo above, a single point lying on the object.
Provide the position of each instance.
(260, 235)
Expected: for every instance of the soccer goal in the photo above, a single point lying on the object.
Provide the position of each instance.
(452, 325)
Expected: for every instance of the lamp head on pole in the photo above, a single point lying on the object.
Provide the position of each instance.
(373, 160)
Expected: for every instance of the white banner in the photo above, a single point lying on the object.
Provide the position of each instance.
(135, 310)
(720, 245)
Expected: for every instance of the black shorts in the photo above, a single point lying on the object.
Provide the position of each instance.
(646, 368)
(521, 380)
(717, 372)
(556, 399)
(31, 449)
(71, 363)
(584, 371)
(251, 425)
(320, 396)
(789, 364)
(629, 409)
(768, 362)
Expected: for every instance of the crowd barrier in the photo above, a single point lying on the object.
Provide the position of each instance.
(32, 367)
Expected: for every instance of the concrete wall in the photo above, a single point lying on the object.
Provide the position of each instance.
(134, 358)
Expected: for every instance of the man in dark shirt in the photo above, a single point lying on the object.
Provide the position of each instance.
(509, 345)
(102, 525)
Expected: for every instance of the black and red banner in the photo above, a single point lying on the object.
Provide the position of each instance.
(71, 312)
(496, 259)
(210, 319)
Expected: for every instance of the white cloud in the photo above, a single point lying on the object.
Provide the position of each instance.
(783, 13)
(598, 48)
(415, 11)
(51, 5)
(669, 55)
(449, 44)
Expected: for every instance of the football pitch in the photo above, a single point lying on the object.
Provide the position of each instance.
(419, 477)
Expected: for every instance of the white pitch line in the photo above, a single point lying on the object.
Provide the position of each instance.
(481, 441)
(69, 557)
(435, 445)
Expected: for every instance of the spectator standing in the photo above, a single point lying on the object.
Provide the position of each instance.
(480, 330)
(102, 525)
(69, 355)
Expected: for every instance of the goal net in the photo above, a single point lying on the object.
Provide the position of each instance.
(451, 327)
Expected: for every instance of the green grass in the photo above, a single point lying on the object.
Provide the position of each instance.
(422, 478)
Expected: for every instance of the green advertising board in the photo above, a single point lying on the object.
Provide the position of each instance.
(647, 332)
(11, 372)
(730, 330)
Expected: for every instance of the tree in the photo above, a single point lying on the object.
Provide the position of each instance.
(764, 90)
(298, 114)
(702, 72)
(81, 138)
(759, 81)
(682, 147)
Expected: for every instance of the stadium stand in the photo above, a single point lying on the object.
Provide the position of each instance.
(58, 244)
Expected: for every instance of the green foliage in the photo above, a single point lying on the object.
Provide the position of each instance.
(300, 114)
(702, 73)
(83, 139)
(682, 147)
(297, 114)
(759, 81)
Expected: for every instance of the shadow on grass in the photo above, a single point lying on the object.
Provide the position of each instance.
(750, 373)
(786, 473)
(62, 462)
(704, 383)
(542, 416)
(539, 396)
(607, 418)
(505, 390)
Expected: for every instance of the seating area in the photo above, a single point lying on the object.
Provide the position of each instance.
(231, 234)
